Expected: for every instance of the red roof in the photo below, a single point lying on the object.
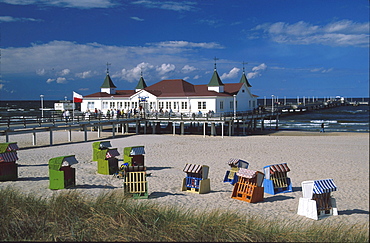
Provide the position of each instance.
(175, 88)
(119, 93)
(181, 88)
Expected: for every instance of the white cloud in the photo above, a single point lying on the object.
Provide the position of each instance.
(85, 74)
(321, 70)
(50, 80)
(12, 19)
(1, 86)
(232, 74)
(41, 71)
(133, 75)
(188, 69)
(49, 60)
(168, 5)
(84, 4)
(137, 18)
(340, 33)
(165, 68)
(64, 72)
(256, 71)
(187, 44)
(61, 80)
(196, 77)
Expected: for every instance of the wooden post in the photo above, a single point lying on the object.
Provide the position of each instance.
(34, 137)
(204, 129)
(99, 130)
(222, 130)
(113, 130)
(182, 128)
(85, 132)
(51, 136)
(154, 127)
(69, 134)
(137, 127)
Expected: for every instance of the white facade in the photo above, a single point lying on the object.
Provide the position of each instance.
(204, 101)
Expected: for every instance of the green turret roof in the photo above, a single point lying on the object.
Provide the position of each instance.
(215, 80)
(108, 83)
(141, 84)
(244, 80)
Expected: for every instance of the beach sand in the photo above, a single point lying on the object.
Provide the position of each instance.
(343, 157)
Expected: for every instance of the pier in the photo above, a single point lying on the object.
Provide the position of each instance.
(229, 124)
(237, 123)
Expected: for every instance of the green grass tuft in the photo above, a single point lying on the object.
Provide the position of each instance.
(69, 216)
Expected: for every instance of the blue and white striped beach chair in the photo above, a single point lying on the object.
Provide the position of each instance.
(317, 202)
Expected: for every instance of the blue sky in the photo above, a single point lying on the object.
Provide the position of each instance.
(291, 47)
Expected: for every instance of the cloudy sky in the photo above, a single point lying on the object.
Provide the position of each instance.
(288, 47)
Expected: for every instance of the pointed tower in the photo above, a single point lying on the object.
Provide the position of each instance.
(108, 86)
(244, 79)
(215, 84)
(141, 85)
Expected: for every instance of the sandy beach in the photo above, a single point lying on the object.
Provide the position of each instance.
(343, 157)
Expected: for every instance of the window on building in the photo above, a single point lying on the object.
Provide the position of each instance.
(161, 105)
(184, 105)
(254, 103)
(174, 105)
(105, 105)
(231, 104)
(221, 105)
(202, 105)
(119, 105)
(112, 105)
(168, 105)
(90, 105)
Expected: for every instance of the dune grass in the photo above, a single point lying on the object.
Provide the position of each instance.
(70, 216)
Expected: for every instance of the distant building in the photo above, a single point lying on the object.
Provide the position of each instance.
(176, 95)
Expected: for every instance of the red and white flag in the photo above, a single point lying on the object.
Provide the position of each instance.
(77, 98)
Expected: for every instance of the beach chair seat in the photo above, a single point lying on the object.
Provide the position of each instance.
(105, 157)
(276, 179)
(196, 179)
(249, 186)
(61, 174)
(317, 201)
(136, 184)
(234, 164)
(8, 159)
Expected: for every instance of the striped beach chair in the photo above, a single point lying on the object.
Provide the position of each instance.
(249, 186)
(234, 164)
(8, 159)
(317, 201)
(196, 179)
(276, 179)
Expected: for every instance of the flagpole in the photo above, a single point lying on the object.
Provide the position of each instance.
(73, 109)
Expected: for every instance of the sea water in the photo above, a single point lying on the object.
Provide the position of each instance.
(337, 119)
